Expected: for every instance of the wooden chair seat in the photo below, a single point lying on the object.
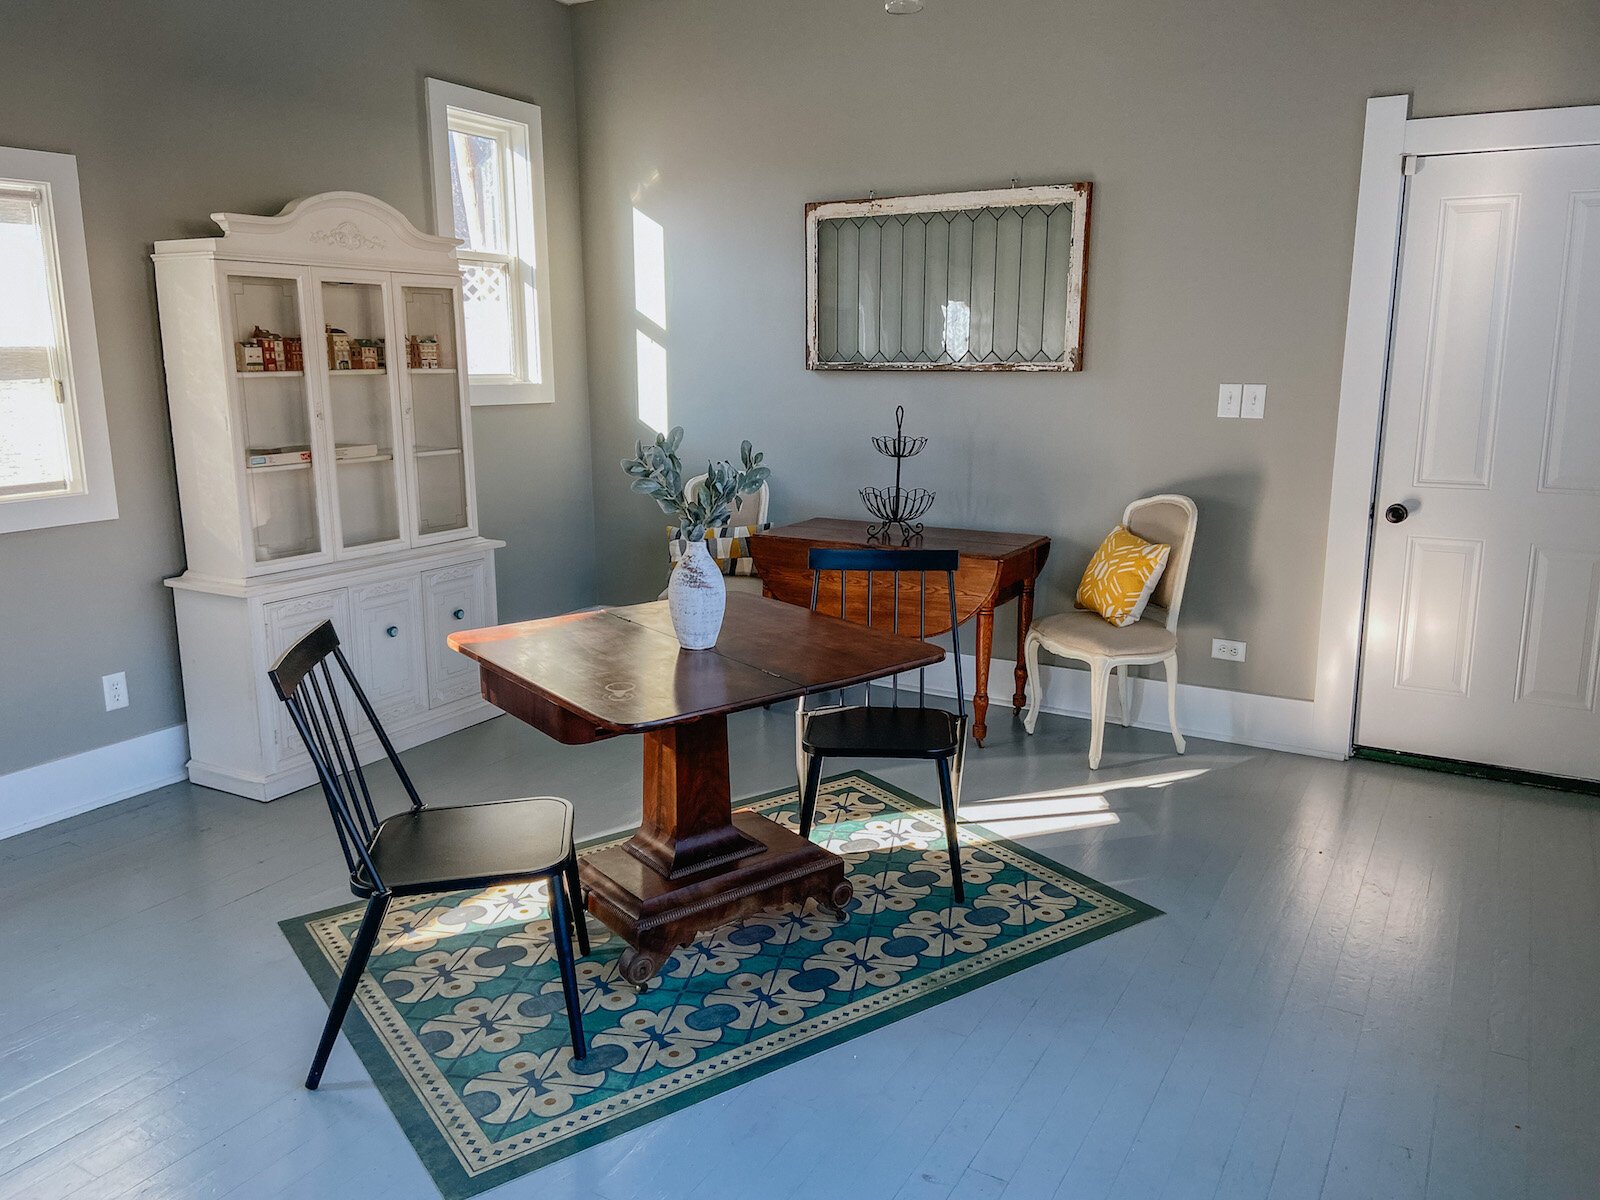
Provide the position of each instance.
(468, 846)
(882, 733)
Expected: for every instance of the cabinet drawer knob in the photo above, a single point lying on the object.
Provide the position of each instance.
(393, 631)
(460, 614)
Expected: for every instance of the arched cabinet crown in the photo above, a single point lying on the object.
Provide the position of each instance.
(335, 228)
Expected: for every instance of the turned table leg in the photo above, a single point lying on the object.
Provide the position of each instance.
(980, 686)
(1024, 620)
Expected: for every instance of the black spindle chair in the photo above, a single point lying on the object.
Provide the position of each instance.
(894, 730)
(420, 849)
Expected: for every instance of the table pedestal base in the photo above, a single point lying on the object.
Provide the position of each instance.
(656, 915)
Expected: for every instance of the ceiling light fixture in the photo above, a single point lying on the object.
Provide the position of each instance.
(900, 8)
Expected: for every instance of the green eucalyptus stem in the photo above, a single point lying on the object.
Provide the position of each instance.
(657, 472)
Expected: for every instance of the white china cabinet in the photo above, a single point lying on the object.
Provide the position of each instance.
(316, 377)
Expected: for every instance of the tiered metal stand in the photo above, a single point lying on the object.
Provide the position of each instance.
(897, 508)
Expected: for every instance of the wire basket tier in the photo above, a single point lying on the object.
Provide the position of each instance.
(896, 507)
(899, 446)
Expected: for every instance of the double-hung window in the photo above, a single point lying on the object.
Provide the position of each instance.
(489, 193)
(55, 461)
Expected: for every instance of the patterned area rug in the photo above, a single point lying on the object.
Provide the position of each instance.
(459, 1018)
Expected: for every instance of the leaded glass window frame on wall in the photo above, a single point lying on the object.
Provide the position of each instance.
(958, 281)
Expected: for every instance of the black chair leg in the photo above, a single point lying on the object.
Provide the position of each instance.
(561, 931)
(360, 951)
(808, 797)
(947, 795)
(580, 923)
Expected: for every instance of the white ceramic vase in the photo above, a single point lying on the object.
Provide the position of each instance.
(696, 597)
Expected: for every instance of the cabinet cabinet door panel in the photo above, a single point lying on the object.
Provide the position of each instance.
(388, 622)
(454, 598)
(287, 621)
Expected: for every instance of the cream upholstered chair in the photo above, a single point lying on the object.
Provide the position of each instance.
(1090, 638)
(749, 509)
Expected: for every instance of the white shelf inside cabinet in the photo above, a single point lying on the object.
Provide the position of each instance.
(297, 551)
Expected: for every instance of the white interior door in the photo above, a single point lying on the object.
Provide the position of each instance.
(1483, 615)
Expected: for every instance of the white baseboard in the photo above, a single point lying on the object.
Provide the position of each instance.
(1270, 722)
(51, 791)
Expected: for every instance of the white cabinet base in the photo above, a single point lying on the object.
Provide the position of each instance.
(434, 724)
(388, 613)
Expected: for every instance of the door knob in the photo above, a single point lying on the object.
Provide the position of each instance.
(393, 631)
(460, 614)
(1396, 513)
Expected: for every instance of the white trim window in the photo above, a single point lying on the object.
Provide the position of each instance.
(488, 176)
(55, 456)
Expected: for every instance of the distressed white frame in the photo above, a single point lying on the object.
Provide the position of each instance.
(96, 500)
(535, 381)
(1079, 195)
(1391, 136)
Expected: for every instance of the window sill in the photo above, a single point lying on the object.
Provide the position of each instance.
(486, 394)
(50, 512)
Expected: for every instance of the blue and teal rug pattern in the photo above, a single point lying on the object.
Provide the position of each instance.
(459, 1018)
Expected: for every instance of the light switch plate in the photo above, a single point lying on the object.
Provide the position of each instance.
(1255, 402)
(1229, 397)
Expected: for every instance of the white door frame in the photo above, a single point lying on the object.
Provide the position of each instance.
(1390, 137)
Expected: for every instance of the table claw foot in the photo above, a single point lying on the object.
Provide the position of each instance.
(638, 968)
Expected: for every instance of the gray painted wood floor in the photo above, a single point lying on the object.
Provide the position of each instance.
(1371, 982)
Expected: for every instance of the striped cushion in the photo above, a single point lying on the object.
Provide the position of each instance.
(729, 545)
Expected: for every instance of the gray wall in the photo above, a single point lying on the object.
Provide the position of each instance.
(1224, 142)
(180, 108)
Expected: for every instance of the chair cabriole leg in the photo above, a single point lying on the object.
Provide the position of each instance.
(1099, 682)
(360, 951)
(1171, 665)
(1035, 684)
(1125, 696)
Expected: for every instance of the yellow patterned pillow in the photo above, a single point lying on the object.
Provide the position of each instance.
(1121, 576)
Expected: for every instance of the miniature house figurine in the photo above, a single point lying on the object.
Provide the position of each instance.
(364, 355)
(428, 353)
(247, 356)
(339, 349)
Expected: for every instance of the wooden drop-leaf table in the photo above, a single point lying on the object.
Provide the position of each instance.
(694, 863)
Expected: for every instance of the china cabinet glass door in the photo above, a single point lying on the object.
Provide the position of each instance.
(435, 386)
(275, 411)
(357, 352)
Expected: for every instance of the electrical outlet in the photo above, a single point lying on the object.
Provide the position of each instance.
(116, 690)
(1232, 651)
(1255, 402)
(1229, 398)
